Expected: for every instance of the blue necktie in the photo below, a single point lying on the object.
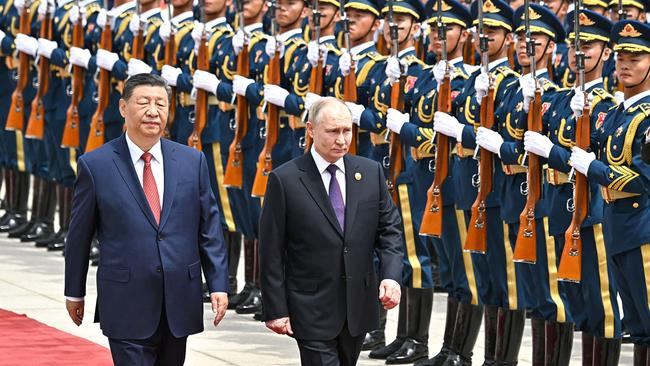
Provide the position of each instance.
(336, 197)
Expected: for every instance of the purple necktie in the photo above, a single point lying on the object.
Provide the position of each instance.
(336, 197)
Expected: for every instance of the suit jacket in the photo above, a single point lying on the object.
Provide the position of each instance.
(311, 271)
(145, 266)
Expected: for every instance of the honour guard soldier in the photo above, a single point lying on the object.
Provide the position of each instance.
(592, 303)
(522, 208)
(492, 264)
(148, 20)
(624, 180)
(558, 64)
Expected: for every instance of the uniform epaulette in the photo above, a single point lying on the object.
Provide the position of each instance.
(506, 71)
(412, 59)
(332, 48)
(255, 37)
(548, 85)
(601, 94)
(155, 21)
(376, 56)
(643, 108)
(92, 8)
(458, 72)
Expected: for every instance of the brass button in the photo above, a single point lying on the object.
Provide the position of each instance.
(635, 205)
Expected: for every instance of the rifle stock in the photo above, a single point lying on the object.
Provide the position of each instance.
(36, 124)
(396, 162)
(16, 116)
(96, 135)
(469, 55)
(235, 167)
(170, 59)
(350, 95)
(71, 137)
(476, 240)
(432, 218)
(201, 105)
(526, 245)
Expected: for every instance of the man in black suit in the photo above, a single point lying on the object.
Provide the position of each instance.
(324, 216)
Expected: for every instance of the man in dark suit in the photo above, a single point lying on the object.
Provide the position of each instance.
(149, 202)
(324, 216)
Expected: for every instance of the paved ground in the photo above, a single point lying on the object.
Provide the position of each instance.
(31, 282)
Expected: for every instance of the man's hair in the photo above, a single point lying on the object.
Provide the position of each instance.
(328, 103)
(144, 80)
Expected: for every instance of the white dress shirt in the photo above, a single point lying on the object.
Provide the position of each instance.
(157, 167)
(322, 164)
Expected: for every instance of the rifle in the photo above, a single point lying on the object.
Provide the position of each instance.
(469, 56)
(201, 104)
(138, 39)
(526, 245)
(170, 59)
(96, 135)
(350, 81)
(36, 124)
(396, 154)
(234, 176)
(432, 218)
(622, 15)
(316, 76)
(571, 261)
(70, 137)
(265, 161)
(511, 55)
(16, 116)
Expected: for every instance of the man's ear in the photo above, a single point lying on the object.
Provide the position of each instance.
(310, 129)
(123, 108)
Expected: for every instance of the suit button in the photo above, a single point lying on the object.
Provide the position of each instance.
(346, 250)
(159, 269)
(159, 238)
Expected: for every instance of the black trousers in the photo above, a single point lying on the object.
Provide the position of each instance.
(341, 351)
(161, 349)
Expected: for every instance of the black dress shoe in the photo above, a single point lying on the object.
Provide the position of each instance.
(16, 221)
(252, 304)
(259, 315)
(94, 253)
(206, 294)
(410, 352)
(373, 340)
(39, 231)
(436, 360)
(44, 242)
(382, 353)
(239, 298)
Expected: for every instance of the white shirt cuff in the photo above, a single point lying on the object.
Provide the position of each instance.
(76, 299)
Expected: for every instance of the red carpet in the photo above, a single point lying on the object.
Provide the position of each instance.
(24, 341)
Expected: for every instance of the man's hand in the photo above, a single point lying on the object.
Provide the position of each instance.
(280, 326)
(219, 305)
(389, 293)
(75, 310)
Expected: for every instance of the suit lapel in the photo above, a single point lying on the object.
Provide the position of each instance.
(125, 167)
(352, 193)
(169, 161)
(312, 180)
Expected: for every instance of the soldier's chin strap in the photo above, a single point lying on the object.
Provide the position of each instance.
(642, 81)
(600, 57)
(500, 46)
(326, 26)
(453, 50)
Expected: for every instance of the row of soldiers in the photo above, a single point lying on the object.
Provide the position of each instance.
(512, 138)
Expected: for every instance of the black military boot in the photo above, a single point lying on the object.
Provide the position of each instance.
(538, 331)
(587, 349)
(382, 353)
(43, 242)
(94, 252)
(468, 323)
(20, 194)
(490, 314)
(418, 317)
(376, 338)
(559, 341)
(65, 210)
(249, 264)
(606, 351)
(7, 202)
(234, 250)
(44, 226)
(450, 321)
(510, 330)
(640, 355)
(253, 303)
(38, 185)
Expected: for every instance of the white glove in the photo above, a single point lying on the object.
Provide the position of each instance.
(448, 125)
(275, 95)
(489, 140)
(356, 110)
(170, 74)
(138, 67)
(619, 96)
(45, 47)
(42, 8)
(424, 28)
(345, 62)
(240, 83)
(197, 32)
(537, 144)
(134, 24)
(102, 18)
(238, 41)
(577, 102)
(314, 51)
(581, 159)
(439, 70)
(481, 85)
(310, 99)
(19, 5)
(393, 68)
(26, 44)
(165, 31)
(271, 45)
(73, 15)
(79, 57)
(206, 81)
(106, 60)
(528, 87)
(396, 119)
